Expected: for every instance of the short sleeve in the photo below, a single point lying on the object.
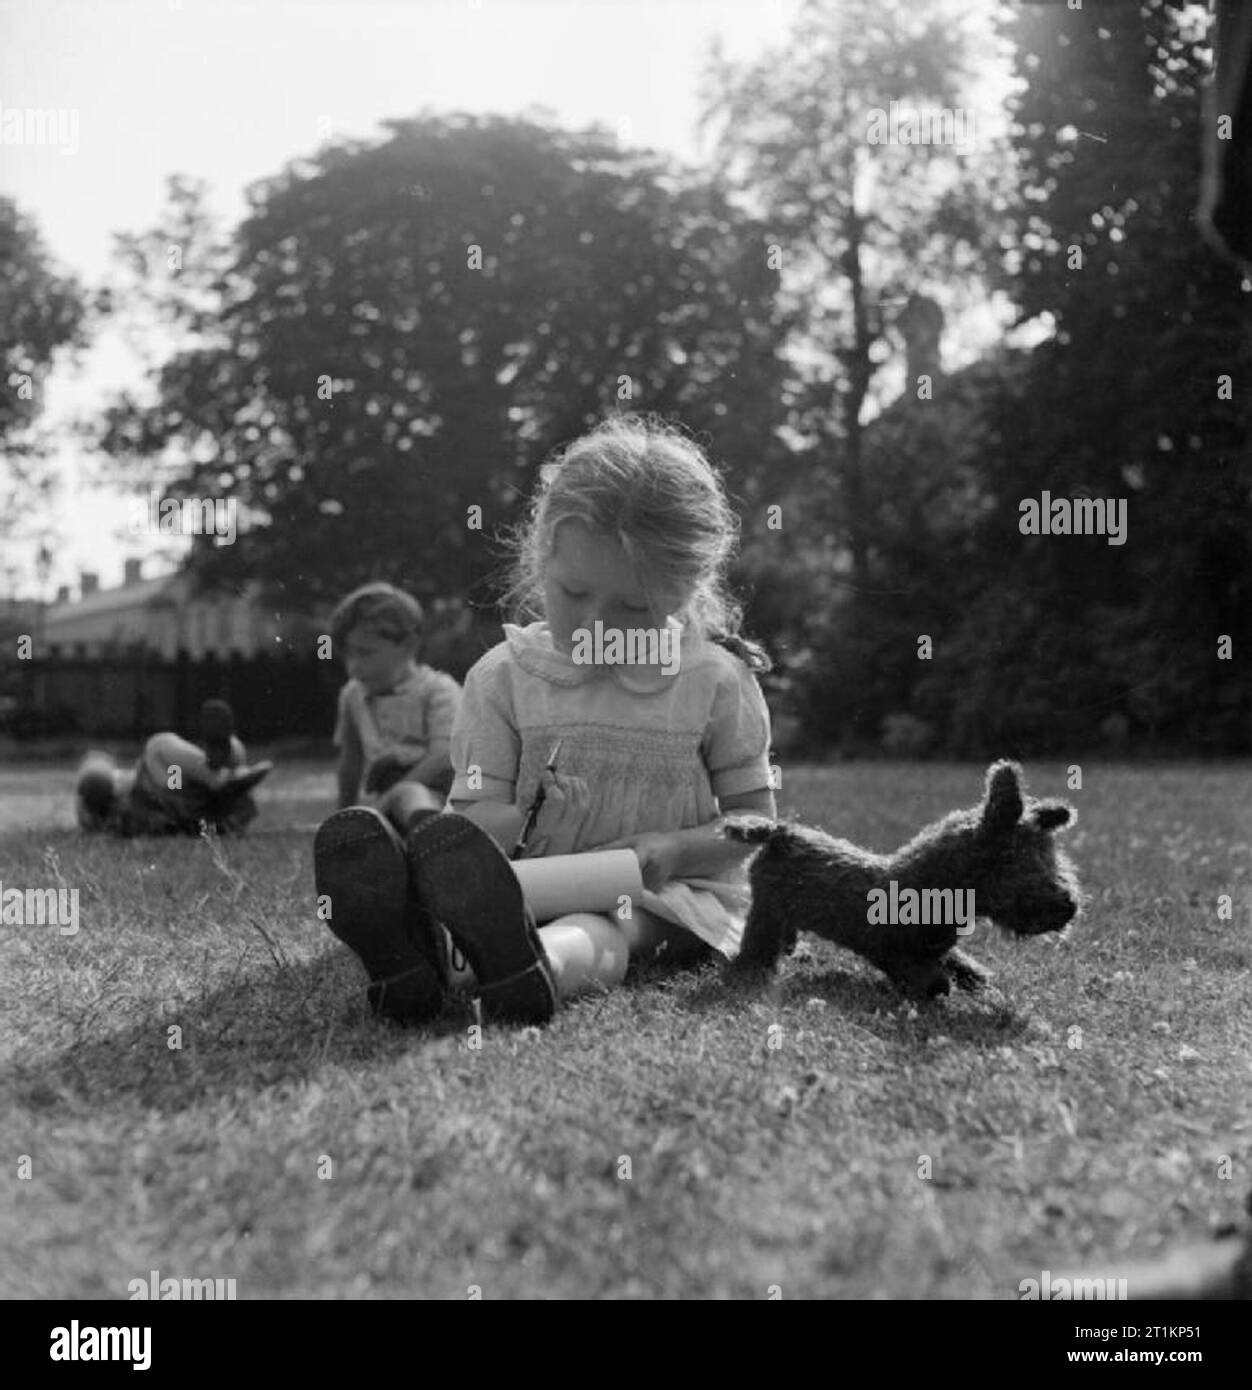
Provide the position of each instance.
(485, 737)
(441, 710)
(736, 743)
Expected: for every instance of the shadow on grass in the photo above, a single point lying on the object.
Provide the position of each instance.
(987, 1019)
(280, 1025)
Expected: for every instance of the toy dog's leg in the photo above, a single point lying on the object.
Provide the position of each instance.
(922, 979)
(767, 934)
(888, 941)
(965, 972)
(932, 977)
(908, 954)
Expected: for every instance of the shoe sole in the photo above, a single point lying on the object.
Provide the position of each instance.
(465, 882)
(358, 862)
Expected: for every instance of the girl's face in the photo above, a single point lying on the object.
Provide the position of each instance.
(588, 575)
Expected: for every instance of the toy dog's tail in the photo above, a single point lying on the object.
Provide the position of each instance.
(758, 830)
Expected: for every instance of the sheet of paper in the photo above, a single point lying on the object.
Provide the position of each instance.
(594, 882)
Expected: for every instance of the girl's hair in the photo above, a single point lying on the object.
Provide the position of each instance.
(380, 609)
(649, 485)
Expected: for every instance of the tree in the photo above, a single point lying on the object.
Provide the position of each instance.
(852, 142)
(1127, 400)
(407, 328)
(41, 311)
(832, 138)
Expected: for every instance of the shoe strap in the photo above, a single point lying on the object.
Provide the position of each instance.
(512, 979)
(403, 975)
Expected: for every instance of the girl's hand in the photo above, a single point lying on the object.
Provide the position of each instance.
(658, 856)
(565, 804)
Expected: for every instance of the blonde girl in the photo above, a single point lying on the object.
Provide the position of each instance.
(630, 530)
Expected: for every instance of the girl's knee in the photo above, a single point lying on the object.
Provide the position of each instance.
(585, 949)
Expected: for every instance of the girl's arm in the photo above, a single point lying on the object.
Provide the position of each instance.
(762, 802)
(565, 804)
(701, 852)
(704, 852)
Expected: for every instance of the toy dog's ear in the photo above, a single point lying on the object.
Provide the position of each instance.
(1002, 808)
(1052, 815)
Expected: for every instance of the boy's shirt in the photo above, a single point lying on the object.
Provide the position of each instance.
(408, 720)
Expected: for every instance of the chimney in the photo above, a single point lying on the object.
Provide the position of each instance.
(922, 326)
(133, 572)
(63, 594)
(88, 582)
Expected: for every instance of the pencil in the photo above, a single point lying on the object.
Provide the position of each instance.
(532, 813)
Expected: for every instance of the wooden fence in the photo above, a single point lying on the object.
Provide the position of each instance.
(129, 697)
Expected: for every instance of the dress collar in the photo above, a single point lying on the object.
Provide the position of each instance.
(534, 651)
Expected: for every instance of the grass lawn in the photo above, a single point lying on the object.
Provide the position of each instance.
(650, 1142)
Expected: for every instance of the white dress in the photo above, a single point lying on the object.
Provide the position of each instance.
(656, 751)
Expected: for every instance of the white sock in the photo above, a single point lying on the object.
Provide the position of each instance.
(460, 976)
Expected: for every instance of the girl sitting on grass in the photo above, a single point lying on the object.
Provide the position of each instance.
(630, 528)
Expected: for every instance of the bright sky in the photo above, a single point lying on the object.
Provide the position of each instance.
(230, 90)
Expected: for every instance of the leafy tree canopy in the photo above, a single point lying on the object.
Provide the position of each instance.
(403, 330)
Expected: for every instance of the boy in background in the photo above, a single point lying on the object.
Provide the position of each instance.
(394, 732)
(176, 787)
(395, 714)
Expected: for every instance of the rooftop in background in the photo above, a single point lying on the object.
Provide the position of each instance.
(133, 592)
(165, 616)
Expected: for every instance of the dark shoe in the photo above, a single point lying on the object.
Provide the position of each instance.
(358, 863)
(217, 728)
(462, 878)
(229, 807)
(240, 782)
(427, 935)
